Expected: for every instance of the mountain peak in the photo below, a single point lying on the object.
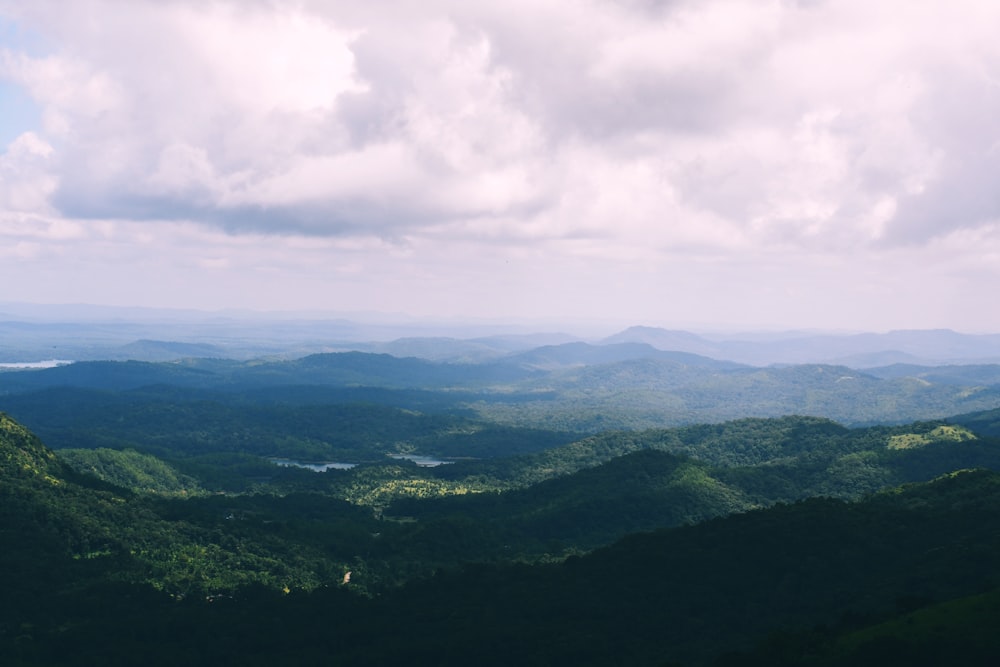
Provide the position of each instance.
(664, 339)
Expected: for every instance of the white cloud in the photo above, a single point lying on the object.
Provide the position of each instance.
(795, 123)
(647, 136)
(26, 183)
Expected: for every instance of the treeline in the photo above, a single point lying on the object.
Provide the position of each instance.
(559, 389)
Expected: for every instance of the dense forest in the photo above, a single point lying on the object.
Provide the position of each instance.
(363, 509)
(570, 387)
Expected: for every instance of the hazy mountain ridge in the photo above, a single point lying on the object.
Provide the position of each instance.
(89, 333)
(579, 354)
(927, 347)
(967, 374)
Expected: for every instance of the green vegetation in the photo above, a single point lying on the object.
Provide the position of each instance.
(130, 469)
(961, 631)
(942, 433)
(97, 575)
(583, 514)
(577, 388)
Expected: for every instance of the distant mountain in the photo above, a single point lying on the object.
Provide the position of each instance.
(868, 360)
(441, 349)
(579, 354)
(972, 375)
(36, 333)
(30, 332)
(666, 339)
(929, 347)
(570, 387)
(650, 392)
(360, 369)
(159, 350)
(518, 342)
(110, 375)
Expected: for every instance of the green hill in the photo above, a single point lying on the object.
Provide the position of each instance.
(130, 469)
(22, 454)
(92, 573)
(688, 594)
(55, 520)
(683, 596)
(571, 387)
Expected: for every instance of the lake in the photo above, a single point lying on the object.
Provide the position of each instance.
(25, 365)
(422, 461)
(316, 467)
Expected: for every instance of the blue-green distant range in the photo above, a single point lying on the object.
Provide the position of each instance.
(88, 333)
(573, 387)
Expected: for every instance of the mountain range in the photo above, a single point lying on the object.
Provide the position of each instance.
(250, 491)
(31, 334)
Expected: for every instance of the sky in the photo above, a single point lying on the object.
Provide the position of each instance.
(749, 164)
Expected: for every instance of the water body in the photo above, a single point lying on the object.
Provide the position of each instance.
(316, 467)
(422, 461)
(25, 365)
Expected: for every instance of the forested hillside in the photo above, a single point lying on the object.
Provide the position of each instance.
(569, 504)
(96, 574)
(571, 387)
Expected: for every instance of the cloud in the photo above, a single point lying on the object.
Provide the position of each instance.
(798, 124)
(750, 143)
(25, 180)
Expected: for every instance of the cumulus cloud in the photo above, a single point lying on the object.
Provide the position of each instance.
(25, 180)
(622, 131)
(793, 123)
